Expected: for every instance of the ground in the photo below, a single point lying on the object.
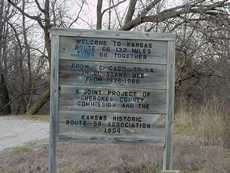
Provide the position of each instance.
(18, 130)
(30, 156)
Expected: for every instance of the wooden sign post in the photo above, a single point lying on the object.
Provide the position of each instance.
(111, 87)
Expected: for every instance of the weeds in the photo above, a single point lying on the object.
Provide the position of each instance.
(22, 150)
(203, 129)
(198, 144)
(206, 123)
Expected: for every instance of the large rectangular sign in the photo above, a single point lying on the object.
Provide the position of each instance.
(112, 86)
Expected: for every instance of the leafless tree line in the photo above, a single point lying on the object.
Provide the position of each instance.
(201, 26)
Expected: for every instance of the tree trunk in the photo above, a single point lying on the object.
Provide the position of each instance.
(4, 98)
(131, 10)
(27, 49)
(40, 103)
(45, 96)
(99, 14)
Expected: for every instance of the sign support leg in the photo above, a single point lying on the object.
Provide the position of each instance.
(168, 148)
(53, 104)
(52, 147)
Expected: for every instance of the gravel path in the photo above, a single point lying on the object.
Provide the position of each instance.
(16, 131)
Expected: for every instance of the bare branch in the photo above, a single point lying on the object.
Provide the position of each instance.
(16, 36)
(114, 5)
(173, 12)
(36, 18)
(38, 50)
(120, 24)
(39, 6)
(149, 7)
(79, 12)
(86, 22)
(21, 11)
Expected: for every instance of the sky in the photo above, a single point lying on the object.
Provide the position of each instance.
(88, 15)
(89, 11)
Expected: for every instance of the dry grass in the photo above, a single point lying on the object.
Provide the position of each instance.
(201, 131)
(109, 158)
(43, 118)
(198, 143)
(86, 158)
(206, 123)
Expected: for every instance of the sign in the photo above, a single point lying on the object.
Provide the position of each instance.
(112, 86)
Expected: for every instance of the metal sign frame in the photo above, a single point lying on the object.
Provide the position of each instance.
(54, 83)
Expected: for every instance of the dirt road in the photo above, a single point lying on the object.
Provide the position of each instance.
(16, 131)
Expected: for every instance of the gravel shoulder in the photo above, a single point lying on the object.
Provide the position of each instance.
(16, 131)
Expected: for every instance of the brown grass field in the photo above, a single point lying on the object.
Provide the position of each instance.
(198, 148)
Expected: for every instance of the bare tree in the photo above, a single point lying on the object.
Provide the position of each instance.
(43, 19)
(153, 14)
(4, 93)
(28, 53)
